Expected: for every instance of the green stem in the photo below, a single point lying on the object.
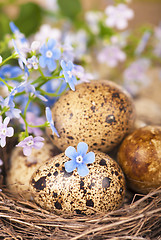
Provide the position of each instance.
(38, 126)
(14, 55)
(53, 94)
(26, 125)
(47, 79)
(5, 109)
(8, 86)
(42, 74)
(28, 102)
(24, 116)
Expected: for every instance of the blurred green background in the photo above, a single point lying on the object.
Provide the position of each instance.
(29, 15)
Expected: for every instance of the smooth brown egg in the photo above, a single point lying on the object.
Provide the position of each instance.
(102, 190)
(22, 167)
(140, 159)
(99, 113)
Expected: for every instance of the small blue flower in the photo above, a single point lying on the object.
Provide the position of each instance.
(28, 88)
(32, 63)
(29, 143)
(12, 112)
(5, 131)
(49, 54)
(21, 60)
(79, 159)
(68, 74)
(50, 120)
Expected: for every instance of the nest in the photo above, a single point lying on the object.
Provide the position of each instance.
(138, 218)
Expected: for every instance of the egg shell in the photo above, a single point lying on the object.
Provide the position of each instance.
(140, 159)
(102, 190)
(99, 113)
(22, 167)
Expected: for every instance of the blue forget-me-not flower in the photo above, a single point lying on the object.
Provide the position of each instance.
(5, 131)
(49, 53)
(79, 159)
(68, 74)
(50, 120)
(29, 143)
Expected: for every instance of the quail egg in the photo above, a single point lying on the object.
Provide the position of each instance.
(100, 113)
(22, 167)
(102, 190)
(140, 159)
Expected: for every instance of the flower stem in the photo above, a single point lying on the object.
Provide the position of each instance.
(53, 94)
(8, 86)
(14, 55)
(38, 126)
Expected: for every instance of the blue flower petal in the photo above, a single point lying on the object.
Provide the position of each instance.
(13, 27)
(56, 53)
(51, 64)
(63, 65)
(82, 170)
(51, 43)
(42, 62)
(82, 148)
(71, 152)
(54, 129)
(71, 85)
(70, 66)
(74, 79)
(48, 114)
(89, 158)
(70, 166)
(43, 49)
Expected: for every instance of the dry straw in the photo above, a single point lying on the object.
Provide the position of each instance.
(139, 218)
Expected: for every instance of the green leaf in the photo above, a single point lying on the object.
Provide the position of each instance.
(105, 32)
(4, 24)
(29, 18)
(70, 8)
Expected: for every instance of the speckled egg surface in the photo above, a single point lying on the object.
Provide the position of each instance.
(22, 167)
(99, 113)
(102, 190)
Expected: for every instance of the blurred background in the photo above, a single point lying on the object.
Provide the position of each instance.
(30, 15)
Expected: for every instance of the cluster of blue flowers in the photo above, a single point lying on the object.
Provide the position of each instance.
(46, 69)
(31, 88)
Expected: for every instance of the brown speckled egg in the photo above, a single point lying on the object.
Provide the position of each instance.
(22, 167)
(140, 158)
(102, 190)
(100, 113)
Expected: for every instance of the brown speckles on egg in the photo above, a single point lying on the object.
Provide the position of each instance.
(90, 203)
(40, 184)
(58, 205)
(106, 182)
(100, 191)
(95, 111)
(110, 119)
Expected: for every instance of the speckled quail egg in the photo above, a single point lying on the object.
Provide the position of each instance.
(22, 167)
(100, 113)
(140, 158)
(102, 190)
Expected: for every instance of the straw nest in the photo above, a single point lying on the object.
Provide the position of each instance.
(139, 218)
